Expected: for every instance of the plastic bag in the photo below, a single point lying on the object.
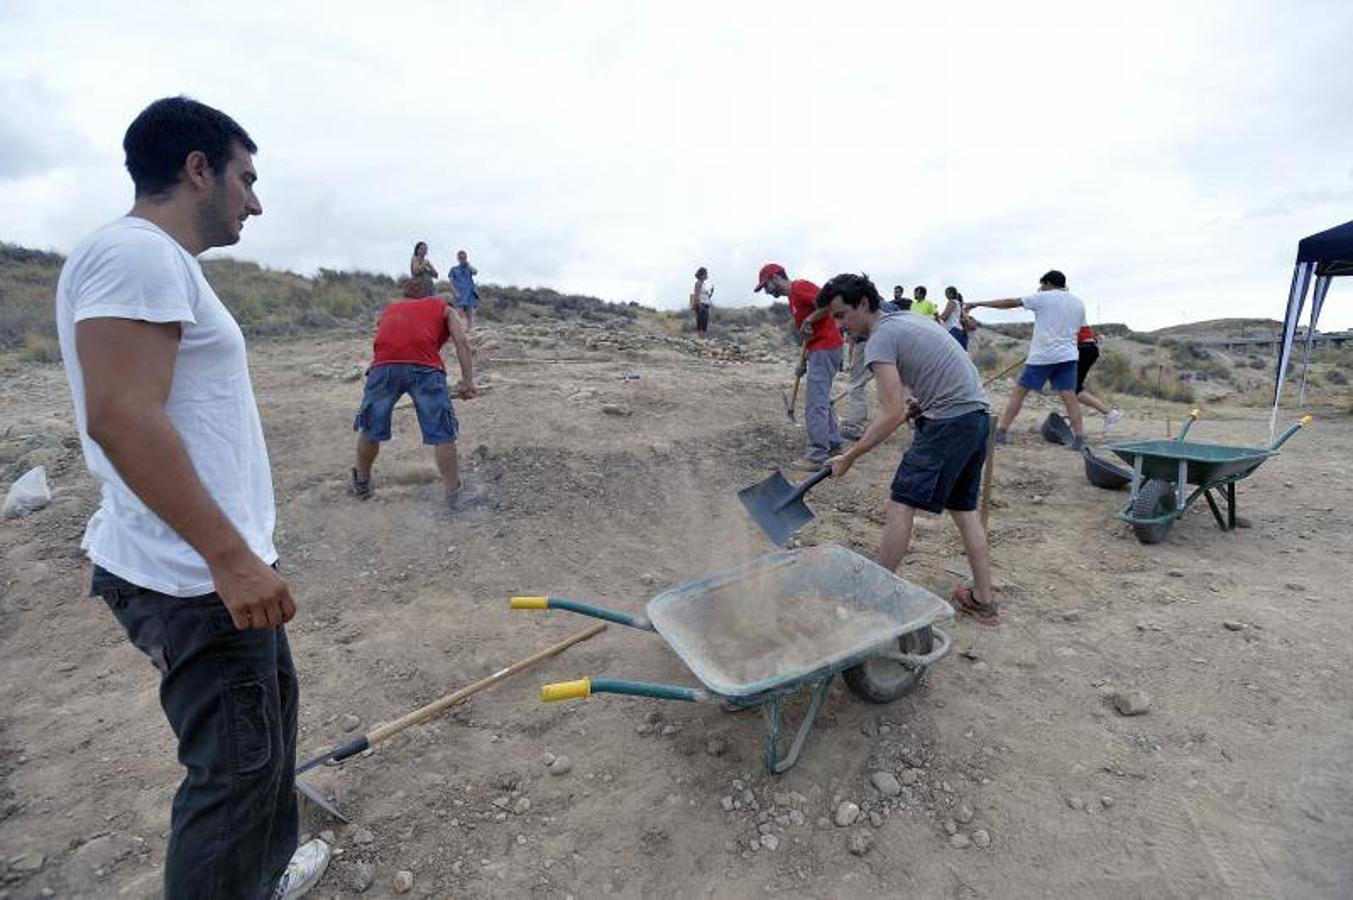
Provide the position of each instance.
(27, 494)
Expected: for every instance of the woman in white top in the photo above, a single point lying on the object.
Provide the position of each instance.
(951, 317)
(702, 298)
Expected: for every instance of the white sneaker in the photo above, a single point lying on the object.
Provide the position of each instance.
(1113, 418)
(307, 865)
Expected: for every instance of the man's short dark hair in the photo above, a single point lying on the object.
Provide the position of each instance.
(161, 137)
(1054, 278)
(852, 289)
(919, 290)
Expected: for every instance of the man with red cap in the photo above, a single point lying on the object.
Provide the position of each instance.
(824, 352)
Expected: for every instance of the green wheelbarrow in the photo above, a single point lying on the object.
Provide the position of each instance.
(784, 623)
(1162, 470)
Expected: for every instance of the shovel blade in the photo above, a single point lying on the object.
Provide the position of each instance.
(317, 798)
(775, 508)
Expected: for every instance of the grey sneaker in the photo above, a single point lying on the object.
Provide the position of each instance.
(304, 871)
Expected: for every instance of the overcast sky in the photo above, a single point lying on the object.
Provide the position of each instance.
(1166, 156)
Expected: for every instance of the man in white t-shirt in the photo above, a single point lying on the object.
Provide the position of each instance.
(1058, 316)
(182, 541)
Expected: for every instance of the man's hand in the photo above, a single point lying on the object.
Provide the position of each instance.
(913, 409)
(840, 465)
(253, 592)
(466, 391)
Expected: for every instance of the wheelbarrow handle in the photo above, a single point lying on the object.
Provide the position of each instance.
(585, 609)
(586, 687)
(1194, 415)
(1292, 429)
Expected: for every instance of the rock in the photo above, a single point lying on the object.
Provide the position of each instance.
(522, 806)
(963, 814)
(562, 765)
(846, 814)
(780, 798)
(950, 827)
(886, 783)
(860, 843)
(770, 842)
(726, 803)
(614, 409)
(349, 722)
(796, 818)
(1131, 703)
(669, 730)
(876, 820)
(908, 777)
(361, 876)
(765, 828)
(328, 836)
(1243, 522)
(1075, 803)
(1106, 801)
(403, 881)
(29, 862)
(981, 838)
(716, 746)
(1234, 626)
(547, 758)
(361, 836)
(960, 841)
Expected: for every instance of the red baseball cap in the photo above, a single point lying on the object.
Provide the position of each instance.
(769, 271)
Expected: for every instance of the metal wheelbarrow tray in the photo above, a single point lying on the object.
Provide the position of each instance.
(1163, 469)
(786, 622)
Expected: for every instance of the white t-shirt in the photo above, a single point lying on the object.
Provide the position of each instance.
(705, 292)
(1058, 315)
(955, 319)
(131, 269)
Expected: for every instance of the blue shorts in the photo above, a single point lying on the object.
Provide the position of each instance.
(426, 385)
(942, 469)
(1062, 376)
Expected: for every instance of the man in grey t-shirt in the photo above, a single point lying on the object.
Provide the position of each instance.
(942, 469)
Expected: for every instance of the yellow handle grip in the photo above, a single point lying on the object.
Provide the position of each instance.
(566, 690)
(529, 603)
(1195, 414)
(1307, 420)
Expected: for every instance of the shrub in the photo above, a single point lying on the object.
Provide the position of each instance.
(40, 348)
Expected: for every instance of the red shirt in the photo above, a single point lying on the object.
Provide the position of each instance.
(412, 332)
(802, 302)
(1086, 335)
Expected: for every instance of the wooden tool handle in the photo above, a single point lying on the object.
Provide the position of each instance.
(424, 713)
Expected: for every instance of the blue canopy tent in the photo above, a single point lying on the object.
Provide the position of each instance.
(1321, 257)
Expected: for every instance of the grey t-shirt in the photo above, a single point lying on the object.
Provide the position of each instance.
(934, 367)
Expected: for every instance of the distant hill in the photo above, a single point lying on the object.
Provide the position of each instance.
(1221, 328)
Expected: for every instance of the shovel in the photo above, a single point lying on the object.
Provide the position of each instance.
(777, 507)
(422, 714)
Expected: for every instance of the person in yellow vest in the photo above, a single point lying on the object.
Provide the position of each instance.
(920, 304)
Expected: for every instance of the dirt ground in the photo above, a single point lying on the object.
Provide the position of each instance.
(1235, 782)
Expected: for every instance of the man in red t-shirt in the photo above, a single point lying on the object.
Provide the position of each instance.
(407, 359)
(825, 352)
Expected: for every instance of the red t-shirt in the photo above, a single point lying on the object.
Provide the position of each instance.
(802, 302)
(412, 332)
(1086, 335)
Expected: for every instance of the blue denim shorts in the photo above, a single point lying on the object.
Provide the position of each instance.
(426, 385)
(1061, 375)
(942, 469)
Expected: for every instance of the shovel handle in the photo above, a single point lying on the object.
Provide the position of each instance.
(810, 482)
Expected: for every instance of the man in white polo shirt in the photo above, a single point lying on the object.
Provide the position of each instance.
(182, 542)
(1058, 316)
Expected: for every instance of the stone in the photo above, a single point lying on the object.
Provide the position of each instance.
(349, 722)
(328, 836)
(361, 876)
(1132, 702)
(403, 881)
(950, 827)
(1231, 625)
(669, 730)
(981, 838)
(361, 836)
(886, 783)
(770, 842)
(908, 776)
(963, 814)
(960, 841)
(860, 843)
(796, 818)
(29, 862)
(562, 765)
(615, 409)
(876, 820)
(726, 803)
(846, 814)
(716, 746)
(1075, 803)
(1106, 801)
(522, 806)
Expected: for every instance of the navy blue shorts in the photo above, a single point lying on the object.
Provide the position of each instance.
(426, 385)
(1062, 376)
(942, 469)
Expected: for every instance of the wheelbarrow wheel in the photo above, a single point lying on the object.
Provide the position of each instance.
(1156, 498)
(886, 680)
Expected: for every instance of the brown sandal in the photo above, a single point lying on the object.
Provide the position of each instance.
(984, 613)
